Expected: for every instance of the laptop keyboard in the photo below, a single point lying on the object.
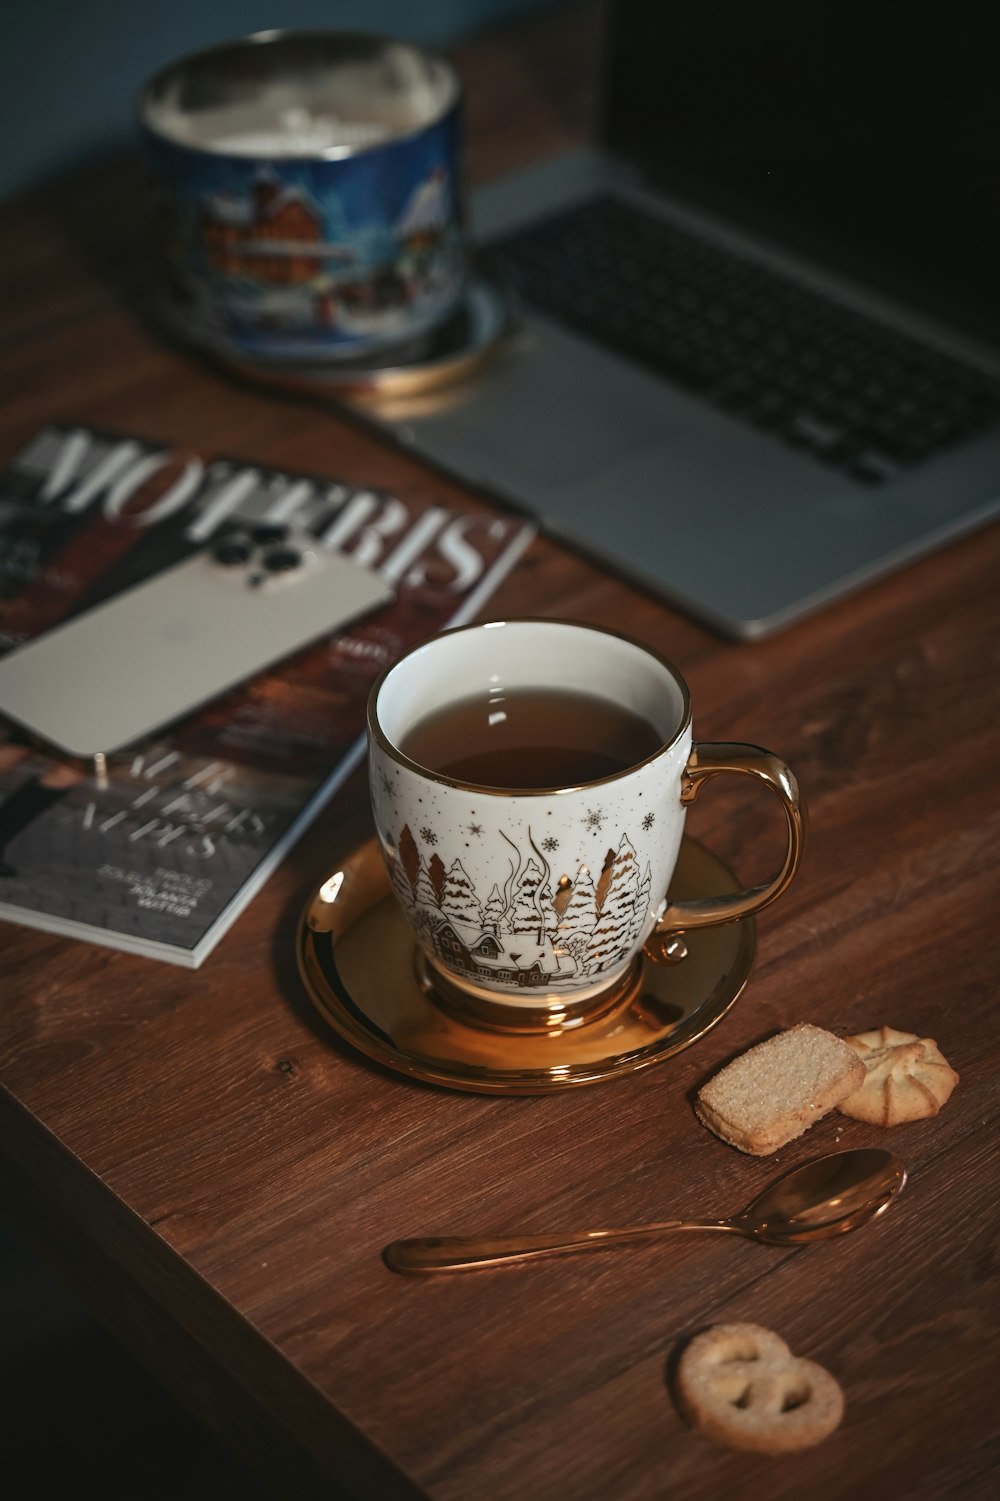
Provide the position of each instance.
(853, 392)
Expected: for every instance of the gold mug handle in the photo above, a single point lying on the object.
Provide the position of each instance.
(705, 762)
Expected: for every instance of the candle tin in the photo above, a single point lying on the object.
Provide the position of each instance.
(307, 194)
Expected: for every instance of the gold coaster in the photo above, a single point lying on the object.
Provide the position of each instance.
(358, 960)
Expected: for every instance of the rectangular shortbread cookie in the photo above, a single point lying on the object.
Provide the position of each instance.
(776, 1090)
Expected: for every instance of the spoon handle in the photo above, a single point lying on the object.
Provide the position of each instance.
(458, 1253)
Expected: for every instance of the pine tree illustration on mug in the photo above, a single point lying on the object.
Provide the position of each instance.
(525, 933)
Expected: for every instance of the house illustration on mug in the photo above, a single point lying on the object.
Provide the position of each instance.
(528, 963)
(527, 934)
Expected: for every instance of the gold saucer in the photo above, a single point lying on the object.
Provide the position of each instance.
(358, 960)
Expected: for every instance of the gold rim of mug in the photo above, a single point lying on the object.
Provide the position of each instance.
(392, 750)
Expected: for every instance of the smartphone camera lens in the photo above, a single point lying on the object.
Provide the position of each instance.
(282, 559)
(232, 551)
(266, 533)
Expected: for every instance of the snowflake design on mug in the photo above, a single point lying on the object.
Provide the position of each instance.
(649, 821)
(428, 836)
(593, 819)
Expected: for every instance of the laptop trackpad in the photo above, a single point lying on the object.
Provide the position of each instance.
(553, 412)
(549, 412)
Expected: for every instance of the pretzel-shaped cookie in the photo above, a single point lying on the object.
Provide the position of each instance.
(740, 1385)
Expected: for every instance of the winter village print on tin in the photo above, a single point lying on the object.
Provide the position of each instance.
(536, 929)
(298, 257)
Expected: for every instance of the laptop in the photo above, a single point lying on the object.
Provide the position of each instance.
(759, 364)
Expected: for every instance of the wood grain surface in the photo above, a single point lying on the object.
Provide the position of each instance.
(218, 1173)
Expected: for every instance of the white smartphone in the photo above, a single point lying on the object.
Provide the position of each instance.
(158, 651)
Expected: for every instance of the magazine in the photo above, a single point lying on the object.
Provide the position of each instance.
(159, 849)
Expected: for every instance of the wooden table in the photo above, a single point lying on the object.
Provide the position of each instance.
(218, 1174)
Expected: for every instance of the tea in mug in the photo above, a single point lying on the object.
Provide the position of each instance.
(526, 738)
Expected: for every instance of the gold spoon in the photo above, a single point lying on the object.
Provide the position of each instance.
(826, 1197)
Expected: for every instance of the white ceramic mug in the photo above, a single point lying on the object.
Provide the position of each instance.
(532, 907)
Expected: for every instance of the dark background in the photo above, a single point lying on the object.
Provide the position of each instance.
(70, 70)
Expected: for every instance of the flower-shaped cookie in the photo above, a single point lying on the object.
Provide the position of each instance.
(907, 1078)
(740, 1385)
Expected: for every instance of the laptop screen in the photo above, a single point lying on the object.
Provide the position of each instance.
(861, 132)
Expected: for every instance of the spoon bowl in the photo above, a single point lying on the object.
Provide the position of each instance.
(816, 1201)
(826, 1197)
